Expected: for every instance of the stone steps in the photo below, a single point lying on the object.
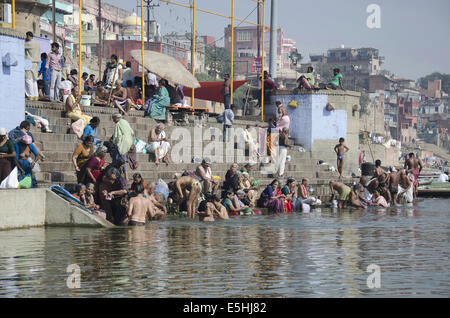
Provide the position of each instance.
(59, 146)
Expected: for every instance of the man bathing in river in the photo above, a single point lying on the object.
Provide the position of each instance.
(340, 150)
(394, 179)
(188, 188)
(139, 207)
(414, 165)
(405, 187)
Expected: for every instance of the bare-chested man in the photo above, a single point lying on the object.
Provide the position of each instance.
(353, 197)
(394, 179)
(343, 190)
(204, 172)
(120, 98)
(405, 188)
(211, 209)
(340, 150)
(139, 207)
(414, 165)
(189, 188)
(101, 95)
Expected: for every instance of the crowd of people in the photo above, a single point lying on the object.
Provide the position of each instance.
(384, 189)
(49, 79)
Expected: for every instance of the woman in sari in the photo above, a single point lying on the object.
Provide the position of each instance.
(272, 199)
(81, 156)
(159, 102)
(95, 165)
(290, 191)
(24, 147)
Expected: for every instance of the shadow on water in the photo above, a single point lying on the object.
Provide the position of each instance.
(323, 253)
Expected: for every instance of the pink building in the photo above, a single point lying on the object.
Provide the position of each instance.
(246, 49)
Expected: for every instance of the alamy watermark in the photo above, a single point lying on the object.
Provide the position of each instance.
(374, 18)
(208, 143)
(374, 279)
(74, 279)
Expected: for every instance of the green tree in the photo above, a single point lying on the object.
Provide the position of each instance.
(445, 78)
(217, 61)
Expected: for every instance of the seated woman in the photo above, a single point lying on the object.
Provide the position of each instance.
(272, 198)
(304, 195)
(159, 144)
(73, 109)
(88, 198)
(241, 201)
(95, 165)
(7, 155)
(159, 102)
(379, 200)
(293, 203)
(81, 156)
(252, 192)
(230, 173)
(229, 205)
(23, 149)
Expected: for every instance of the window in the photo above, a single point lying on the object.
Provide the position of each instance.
(244, 36)
(436, 109)
(343, 54)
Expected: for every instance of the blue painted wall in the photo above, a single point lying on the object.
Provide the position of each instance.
(310, 121)
(12, 79)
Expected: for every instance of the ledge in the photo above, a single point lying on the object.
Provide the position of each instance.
(319, 92)
(12, 33)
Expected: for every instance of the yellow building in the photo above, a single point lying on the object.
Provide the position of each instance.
(132, 28)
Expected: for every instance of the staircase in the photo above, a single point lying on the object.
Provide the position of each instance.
(59, 146)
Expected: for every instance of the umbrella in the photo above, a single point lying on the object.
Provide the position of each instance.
(166, 67)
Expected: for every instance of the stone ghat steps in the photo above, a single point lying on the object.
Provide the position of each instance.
(64, 172)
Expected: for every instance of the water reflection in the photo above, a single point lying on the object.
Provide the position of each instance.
(324, 253)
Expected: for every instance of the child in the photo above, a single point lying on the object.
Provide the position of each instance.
(340, 150)
(137, 179)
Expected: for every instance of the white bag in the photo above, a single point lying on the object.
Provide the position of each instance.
(11, 181)
(36, 167)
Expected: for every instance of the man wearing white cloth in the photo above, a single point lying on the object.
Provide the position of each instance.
(159, 144)
(33, 54)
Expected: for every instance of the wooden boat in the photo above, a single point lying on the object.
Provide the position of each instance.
(435, 189)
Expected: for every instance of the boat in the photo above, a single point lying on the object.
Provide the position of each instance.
(434, 189)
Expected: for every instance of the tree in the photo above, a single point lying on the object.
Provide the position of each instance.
(445, 78)
(217, 61)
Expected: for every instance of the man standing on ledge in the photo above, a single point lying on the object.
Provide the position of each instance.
(32, 53)
(226, 91)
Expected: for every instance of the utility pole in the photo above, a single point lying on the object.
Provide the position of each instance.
(54, 20)
(273, 38)
(258, 28)
(100, 51)
(150, 7)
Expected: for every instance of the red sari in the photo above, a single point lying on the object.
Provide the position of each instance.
(95, 165)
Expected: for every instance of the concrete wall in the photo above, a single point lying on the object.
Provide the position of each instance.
(318, 129)
(39, 207)
(12, 79)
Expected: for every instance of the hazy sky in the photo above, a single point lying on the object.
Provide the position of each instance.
(414, 35)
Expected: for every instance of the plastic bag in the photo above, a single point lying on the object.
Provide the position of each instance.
(25, 183)
(78, 127)
(162, 188)
(36, 167)
(11, 181)
(221, 118)
(140, 146)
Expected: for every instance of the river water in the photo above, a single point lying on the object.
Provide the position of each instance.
(322, 254)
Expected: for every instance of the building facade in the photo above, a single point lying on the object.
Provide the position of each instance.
(246, 50)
